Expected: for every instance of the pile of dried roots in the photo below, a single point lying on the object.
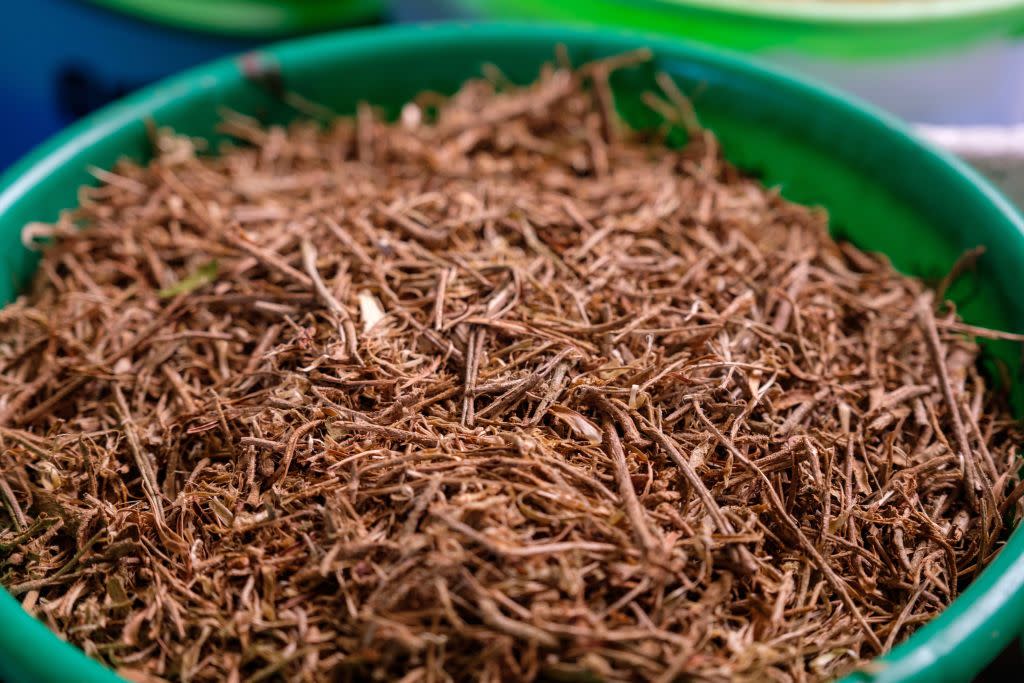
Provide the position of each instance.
(507, 393)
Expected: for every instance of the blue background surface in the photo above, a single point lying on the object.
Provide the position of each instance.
(58, 57)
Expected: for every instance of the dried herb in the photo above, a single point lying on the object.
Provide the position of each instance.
(204, 275)
(509, 394)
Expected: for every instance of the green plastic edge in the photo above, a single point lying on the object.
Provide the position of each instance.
(840, 29)
(906, 12)
(953, 647)
(265, 19)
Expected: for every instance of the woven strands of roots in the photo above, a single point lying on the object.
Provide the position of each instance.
(506, 393)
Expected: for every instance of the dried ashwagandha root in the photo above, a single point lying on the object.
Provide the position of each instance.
(508, 394)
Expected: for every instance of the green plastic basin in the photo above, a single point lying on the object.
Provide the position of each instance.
(885, 191)
(857, 29)
(250, 18)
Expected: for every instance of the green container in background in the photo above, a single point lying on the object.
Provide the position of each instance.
(868, 29)
(942, 62)
(250, 18)
(885, 191)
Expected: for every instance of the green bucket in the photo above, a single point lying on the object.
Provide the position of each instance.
(250, 18)
(831, 28)
(885, 191)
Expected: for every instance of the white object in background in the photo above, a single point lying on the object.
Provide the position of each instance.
(983, 141)
(983, 84)
(996, 151)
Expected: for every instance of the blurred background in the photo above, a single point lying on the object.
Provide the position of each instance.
(952, 68)
(955, 68)
(955, 65)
